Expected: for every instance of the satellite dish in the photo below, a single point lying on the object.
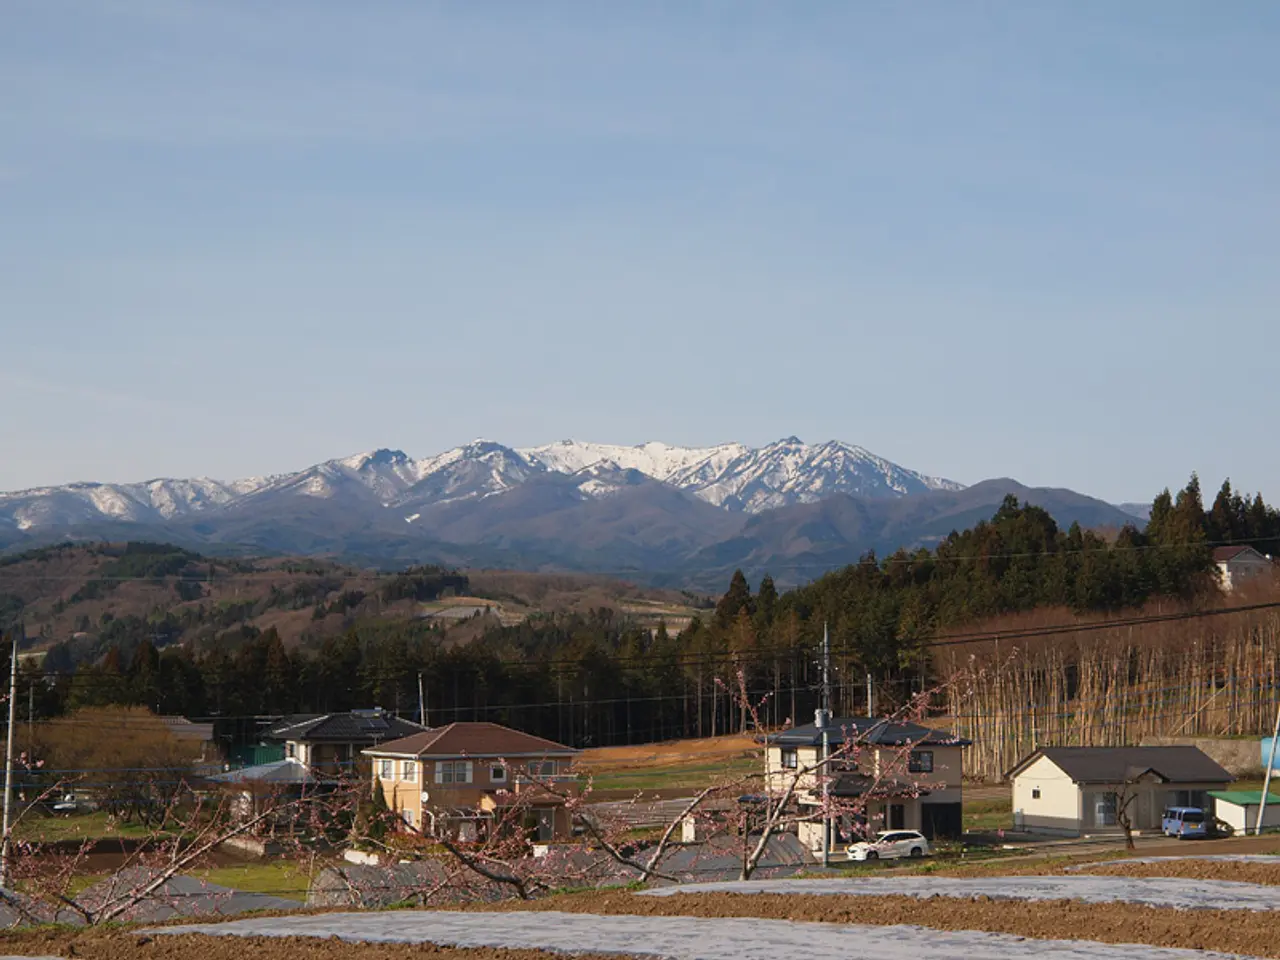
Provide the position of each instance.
(426, 797)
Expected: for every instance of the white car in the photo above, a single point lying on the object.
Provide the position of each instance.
(890, 845)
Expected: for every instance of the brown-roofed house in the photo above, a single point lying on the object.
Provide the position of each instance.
(1070, 791)
(451, 780)
(1237, 564)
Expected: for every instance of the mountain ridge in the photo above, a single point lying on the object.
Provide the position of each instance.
(731, 475)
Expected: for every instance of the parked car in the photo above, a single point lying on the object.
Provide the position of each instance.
(1184, 822)
(890, 845)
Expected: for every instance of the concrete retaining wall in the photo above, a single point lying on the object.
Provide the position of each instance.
(1239, 757)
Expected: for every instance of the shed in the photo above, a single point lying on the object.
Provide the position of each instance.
(1239, 809)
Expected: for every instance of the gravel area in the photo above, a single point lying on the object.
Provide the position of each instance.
(689, 938)
(1179, 894)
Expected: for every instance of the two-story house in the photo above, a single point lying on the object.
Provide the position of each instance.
(897, 776)
(331, 742)
(454, 780)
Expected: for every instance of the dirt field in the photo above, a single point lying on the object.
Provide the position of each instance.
(1265, 873)
(674, 754)
(122, 945)
(1227, 931)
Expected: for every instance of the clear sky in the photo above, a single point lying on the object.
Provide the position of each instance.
(1028, 239)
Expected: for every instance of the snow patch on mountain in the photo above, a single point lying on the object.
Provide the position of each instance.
(653, 459)
(730, 475)
(791, 471)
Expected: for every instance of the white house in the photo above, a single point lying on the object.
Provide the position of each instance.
(1235, 565)
(904, 776)
(1070, 791)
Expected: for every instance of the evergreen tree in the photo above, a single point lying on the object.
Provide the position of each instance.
(736, 599)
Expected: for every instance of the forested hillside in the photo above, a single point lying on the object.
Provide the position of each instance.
(605, 675)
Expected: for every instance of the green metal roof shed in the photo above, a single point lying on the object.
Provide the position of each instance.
(1239, 809)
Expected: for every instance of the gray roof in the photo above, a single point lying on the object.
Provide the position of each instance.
(367, 727)
(867, 730)
(857, 785)
(288, 772)
(20, 910)
(1121, 764)
(177, 896)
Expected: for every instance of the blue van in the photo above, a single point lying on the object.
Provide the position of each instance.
(1184, 822)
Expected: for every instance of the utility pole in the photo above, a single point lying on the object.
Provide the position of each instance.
(1266, 783)
(826, 746)
(8, 764)
(422, 702)
(871, 710)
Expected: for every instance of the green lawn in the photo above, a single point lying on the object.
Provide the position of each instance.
(982, 816)
(279, 878)
(82, 826)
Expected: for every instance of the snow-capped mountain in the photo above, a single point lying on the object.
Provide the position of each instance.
(789, 471)
(653, 459)
(732, 476)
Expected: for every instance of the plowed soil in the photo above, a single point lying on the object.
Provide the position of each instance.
(1267, 873)
(1229, 931)
(120, 945)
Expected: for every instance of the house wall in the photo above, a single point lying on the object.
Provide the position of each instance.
(944, 783)
(409, 780)
(332, 758)
(1057, 810)
(1232, 573)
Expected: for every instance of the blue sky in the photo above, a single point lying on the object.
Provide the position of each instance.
(1035, 240)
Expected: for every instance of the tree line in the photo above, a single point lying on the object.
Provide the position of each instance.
(600, 678)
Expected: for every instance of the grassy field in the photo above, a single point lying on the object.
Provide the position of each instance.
(988, 814)
(83, 826)
(279, 878)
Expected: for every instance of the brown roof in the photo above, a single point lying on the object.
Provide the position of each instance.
(1225, 554)
(471, 740)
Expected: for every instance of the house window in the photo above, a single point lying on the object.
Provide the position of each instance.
(1188, 798)
(410, 771)
(290, 749)
(497, 773)
(789, 759)
(921, 761)
(1035, 793)
(407, 814)
(453, 771)
(385, 770)
(541, 768)
(1104, 809)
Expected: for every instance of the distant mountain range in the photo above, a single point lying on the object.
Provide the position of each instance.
(655, 512)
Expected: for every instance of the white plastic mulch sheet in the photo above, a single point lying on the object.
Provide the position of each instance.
(1147, 891)
(688, 938)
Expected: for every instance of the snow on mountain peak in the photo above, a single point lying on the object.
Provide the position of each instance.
(729, 475)
(654, 458)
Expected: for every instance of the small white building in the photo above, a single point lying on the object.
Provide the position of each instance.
(1237, 565)
(1238, 809)
(1071, 791)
